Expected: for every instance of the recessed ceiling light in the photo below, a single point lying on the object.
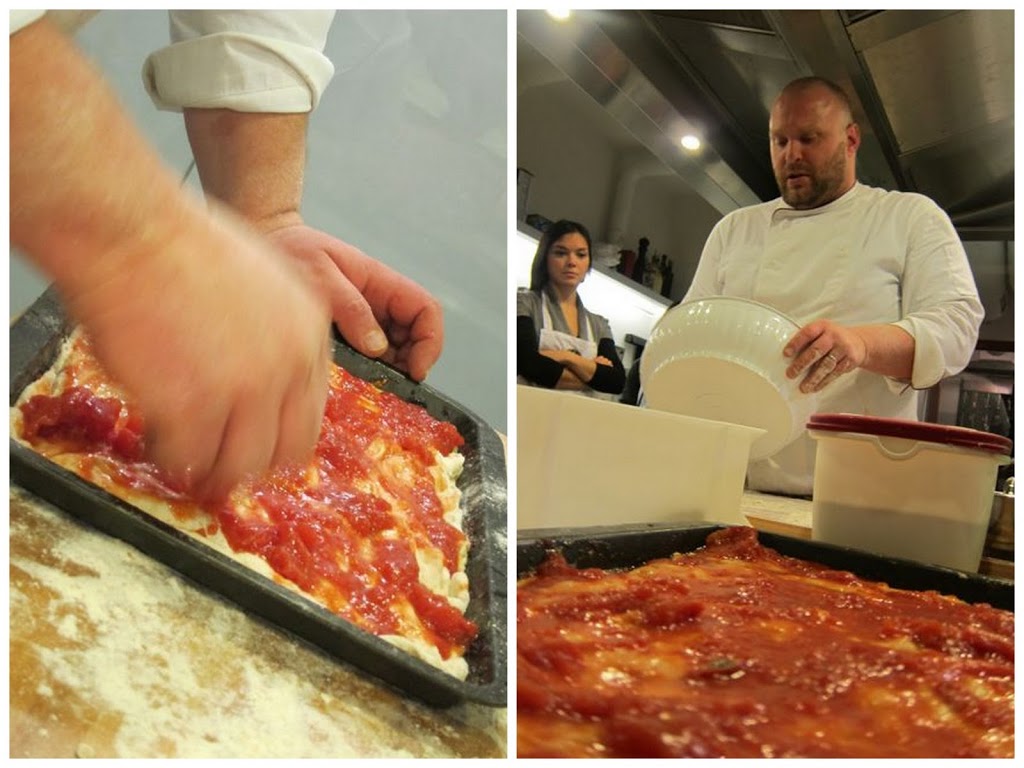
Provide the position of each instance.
(559, 13)
(690, 142)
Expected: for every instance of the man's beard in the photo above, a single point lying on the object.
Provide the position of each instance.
(825, 185)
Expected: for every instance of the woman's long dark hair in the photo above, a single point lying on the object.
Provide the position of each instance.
(539, 270)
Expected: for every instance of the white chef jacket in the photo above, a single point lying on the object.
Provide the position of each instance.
(248, 61)
(871, 256)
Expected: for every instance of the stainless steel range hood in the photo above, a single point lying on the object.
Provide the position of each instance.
(932, 90)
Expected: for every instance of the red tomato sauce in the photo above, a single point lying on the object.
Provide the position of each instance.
(736, 651)
(333, 539)
(79, 421)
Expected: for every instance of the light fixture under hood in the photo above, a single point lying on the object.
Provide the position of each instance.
(690, 142)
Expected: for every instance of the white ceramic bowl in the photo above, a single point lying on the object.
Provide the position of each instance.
(721, 358)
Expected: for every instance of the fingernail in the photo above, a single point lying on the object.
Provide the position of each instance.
(375, 341)
(788, 351)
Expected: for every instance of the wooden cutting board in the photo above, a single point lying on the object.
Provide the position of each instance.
(113, 654)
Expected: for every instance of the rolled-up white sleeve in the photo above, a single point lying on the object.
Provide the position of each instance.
(247, 61)
(941, 308)
(21, 19)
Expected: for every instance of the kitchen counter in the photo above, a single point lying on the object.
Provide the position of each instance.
(777, 514)
(792, 517)
(113, 654)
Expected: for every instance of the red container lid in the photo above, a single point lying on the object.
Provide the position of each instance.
(961, 437)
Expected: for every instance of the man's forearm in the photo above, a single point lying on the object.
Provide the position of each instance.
(889, 350)
(252, 161)
(85, 187)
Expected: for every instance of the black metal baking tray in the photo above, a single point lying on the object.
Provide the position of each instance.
(628, 546)
(35, 339)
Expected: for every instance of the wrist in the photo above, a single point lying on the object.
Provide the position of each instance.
(154, 254)
(251, 161)
(861, 335)
(579, 366)
(272, 222)
(101, 240)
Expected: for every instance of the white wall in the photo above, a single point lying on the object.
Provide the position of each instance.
(580, 165)
(572, 165)
(676, 222)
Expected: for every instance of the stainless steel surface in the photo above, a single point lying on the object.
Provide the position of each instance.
(932, 91)
(590, 53)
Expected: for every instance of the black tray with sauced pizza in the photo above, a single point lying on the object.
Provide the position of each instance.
(628, 546)
(35, 340)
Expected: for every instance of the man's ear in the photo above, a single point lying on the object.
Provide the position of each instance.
(853, 137)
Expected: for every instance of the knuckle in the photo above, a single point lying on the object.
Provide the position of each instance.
(352, 305)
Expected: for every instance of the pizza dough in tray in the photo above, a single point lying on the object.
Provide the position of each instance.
(713, 641)
(710, 643)
(464, 574)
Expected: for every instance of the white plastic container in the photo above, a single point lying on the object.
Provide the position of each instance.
(905, 489)
(585, 462)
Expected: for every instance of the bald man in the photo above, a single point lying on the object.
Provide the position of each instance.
(878, 280)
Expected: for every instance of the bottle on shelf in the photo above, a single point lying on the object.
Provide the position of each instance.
(640, 265)
(653, 277)
(666, 279)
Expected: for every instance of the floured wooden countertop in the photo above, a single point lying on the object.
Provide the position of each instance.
(113, 654)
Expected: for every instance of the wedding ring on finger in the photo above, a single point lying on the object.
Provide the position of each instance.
(834, 360)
